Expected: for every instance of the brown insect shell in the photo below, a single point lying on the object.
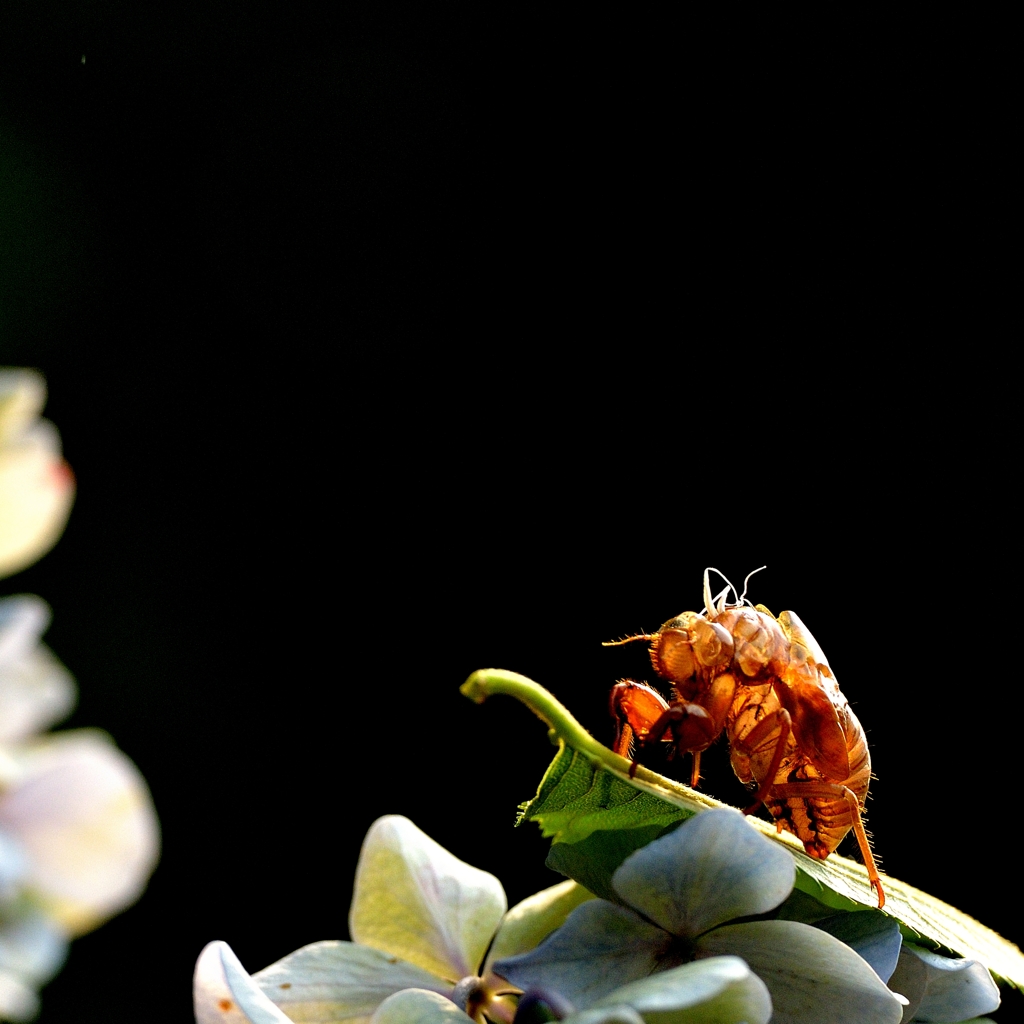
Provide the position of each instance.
(822, 719)
(689, 645)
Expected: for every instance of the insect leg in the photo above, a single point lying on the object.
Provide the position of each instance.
(781, 722)
(808, 790)
(635, 707)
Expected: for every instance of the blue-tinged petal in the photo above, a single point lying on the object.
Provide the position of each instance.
(340, 981)
(606, 1015)
(721, 990)
(871, 935)
(536, 917)
(600, 947)
(942, 990)
(418, 1006)
(714, 868)
(413, 899)
(811, 975)
(223, 993)
(33, 947)
(36, 690)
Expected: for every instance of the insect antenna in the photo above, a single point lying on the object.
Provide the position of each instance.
(629, 639)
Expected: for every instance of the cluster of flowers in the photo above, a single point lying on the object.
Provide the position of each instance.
(706, 928)
(78, 834)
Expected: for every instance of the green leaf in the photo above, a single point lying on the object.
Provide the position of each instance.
(587, 793)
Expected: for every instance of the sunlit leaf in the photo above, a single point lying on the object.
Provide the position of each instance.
(587, 791)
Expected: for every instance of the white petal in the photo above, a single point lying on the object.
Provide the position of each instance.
(18, 1001)
(37, 487)
(84, 816)
(339, 981)
(413, 899)
(223, 993)
(35, 688)
(417, 1006)
(22, 397)
(720, 990)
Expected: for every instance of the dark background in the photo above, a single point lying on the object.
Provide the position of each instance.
(391, 345)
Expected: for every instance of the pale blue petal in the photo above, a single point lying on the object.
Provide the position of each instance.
(871, 935)
(418, 1006)
(943, 990)
(606, 1015)
(340, 981)
(720, 990)
(33, 948)
(812, 977)
(600, 947)
(532, 920)
(714, 868)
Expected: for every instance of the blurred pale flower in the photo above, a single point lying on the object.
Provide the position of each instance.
(37, 487)
(78, 833)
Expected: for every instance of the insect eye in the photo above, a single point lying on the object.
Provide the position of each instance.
(673, 655)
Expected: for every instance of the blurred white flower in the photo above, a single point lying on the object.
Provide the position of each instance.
(82, 814)
(79, 836)
(37, 487)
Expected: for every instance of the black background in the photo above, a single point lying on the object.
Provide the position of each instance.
(397, 343)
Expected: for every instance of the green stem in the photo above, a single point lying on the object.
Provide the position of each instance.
(563, 728)
(489, 681)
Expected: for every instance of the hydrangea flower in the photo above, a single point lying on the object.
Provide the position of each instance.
(78, 834)
(941, 989)
(427, 930)
(37, 487)
(679, 895)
